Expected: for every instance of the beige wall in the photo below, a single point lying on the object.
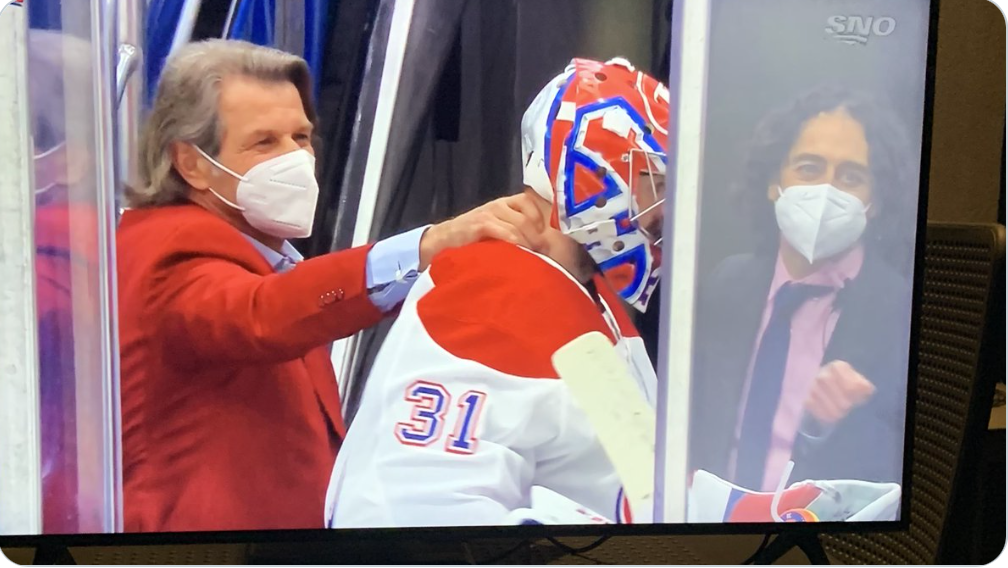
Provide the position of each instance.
(969, 110)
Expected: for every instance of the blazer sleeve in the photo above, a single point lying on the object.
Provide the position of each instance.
(215, 307)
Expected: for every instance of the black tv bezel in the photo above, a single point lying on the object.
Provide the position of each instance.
(445, 534)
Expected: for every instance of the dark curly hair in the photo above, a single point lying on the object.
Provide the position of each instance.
(890, 153)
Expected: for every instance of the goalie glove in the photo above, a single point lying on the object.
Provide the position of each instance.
(714, 500)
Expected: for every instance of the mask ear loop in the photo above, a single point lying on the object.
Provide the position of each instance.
(50, 151)
(42, 156)
(775, 502)
(226, 201)
(219, 165)
(225, 170)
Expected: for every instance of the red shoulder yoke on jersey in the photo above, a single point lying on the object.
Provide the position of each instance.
(508, 309)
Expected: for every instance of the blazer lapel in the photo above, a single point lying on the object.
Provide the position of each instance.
(730, 319)
(743, 311)
(856, 303)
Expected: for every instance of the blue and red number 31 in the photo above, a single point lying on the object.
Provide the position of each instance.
(431, 403)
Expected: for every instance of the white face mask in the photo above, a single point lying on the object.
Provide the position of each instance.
(819, 221)
(277, 196)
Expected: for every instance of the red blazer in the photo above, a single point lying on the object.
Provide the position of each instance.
(230, 409)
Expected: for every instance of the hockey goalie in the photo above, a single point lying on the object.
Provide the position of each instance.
(463, 419)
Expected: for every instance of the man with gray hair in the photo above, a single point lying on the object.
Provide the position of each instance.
(230, 408)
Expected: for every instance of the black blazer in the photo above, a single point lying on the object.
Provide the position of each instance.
(872, 334)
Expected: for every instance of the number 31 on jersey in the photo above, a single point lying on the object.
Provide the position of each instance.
(431, 407)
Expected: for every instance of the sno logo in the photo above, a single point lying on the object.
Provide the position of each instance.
(858, 29)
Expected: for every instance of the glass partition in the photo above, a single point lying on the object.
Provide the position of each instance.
(794, 254)
(74, 192)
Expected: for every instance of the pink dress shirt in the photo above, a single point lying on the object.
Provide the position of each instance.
(811, 329)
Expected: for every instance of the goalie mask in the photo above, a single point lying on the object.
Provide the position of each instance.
(593, 143)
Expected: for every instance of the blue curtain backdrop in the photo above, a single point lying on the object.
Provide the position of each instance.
(254, 21)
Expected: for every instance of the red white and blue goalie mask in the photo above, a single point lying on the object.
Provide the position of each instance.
(593, 143)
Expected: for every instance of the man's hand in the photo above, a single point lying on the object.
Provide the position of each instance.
(837, 390)
(515, 219)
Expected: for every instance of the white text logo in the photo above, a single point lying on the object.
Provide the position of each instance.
(858, 29)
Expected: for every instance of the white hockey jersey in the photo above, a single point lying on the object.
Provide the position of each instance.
(464, 421)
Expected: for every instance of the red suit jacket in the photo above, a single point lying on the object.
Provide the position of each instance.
(230, 410)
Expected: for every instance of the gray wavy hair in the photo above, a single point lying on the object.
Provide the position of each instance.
(185, 108)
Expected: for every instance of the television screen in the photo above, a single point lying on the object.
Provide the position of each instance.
(812, 100)
(706, 320)
(798, 173)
